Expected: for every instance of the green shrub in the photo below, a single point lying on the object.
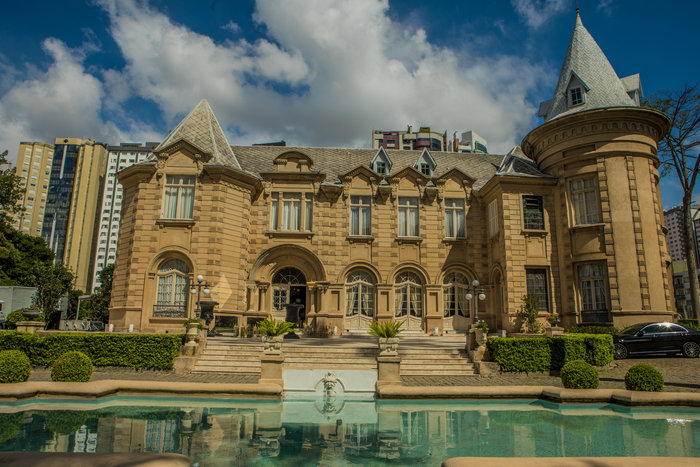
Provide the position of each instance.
(14, 366)
(483, 325)
(521, 353)
(385, 329)
(690, 323)
(579, 375)
(72, 366)
(528, 312)
(155, 351)
(515, 354)
(581, 329)
(272, 328)
(644, 377)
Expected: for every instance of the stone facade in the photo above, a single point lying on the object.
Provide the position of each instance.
(354, 235)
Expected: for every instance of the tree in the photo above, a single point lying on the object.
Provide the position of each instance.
(678, 153)
(52, 282)
(10, 192)
(98, 305)
(19, 254)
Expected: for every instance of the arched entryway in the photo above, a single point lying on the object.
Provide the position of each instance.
(359, 299)
(457, 309)
(288, 286)
(408, 296)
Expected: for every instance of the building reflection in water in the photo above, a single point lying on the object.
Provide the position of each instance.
(313, 432)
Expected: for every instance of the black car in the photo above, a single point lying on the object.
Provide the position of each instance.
(666, 338)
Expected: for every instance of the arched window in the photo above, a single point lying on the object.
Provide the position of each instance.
(455, 288)
(171, 299)
(359, 293)
(408, 295)
(282, 285)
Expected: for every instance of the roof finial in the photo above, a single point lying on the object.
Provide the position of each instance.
(577, 10)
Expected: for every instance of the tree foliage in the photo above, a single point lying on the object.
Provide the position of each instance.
(52, 282)
(19, 254)
(10, 192)
(97, 307)
(678, 154)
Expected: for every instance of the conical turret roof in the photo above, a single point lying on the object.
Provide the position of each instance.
(586, 67)
(201, 129)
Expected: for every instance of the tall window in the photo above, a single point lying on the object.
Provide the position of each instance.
(171, 299)
(493, 217)
(360, 215)
(454, 218)
(591, 281)
(179, 197)
(359, 294)
(533, 213)
(537, 285)
(585, 201)
(408, 295)
(282, 282)
(291, 211)
(455, 288)
(408, 217)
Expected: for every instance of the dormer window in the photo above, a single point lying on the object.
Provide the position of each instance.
(425, 169)
(425, 164)
(380, 168)
(380, 162)
(575, 97)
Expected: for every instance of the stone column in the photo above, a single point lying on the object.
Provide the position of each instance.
(388, 367)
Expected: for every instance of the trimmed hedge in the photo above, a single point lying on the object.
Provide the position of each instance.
(72, 366)
(579, 375)
(643, 377)
(155, 351)
(690, 323)
(581, 329)
(528, 354)
(14, 367)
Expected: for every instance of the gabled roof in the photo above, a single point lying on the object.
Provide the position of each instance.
(381, 154)
(516, 163)
(425, 157)
(585, 60)
(336, 162)
(201, 129)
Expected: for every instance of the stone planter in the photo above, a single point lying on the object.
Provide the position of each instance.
(479, 337)
(31, 314)
(388, 345)
(272, 344)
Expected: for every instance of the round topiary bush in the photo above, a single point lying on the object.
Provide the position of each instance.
(579, 375)
(72, 366)
(15, 367)
(644, 377)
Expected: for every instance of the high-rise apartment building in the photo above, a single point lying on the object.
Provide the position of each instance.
(410, 140)
(673, 218)
(469, 142)
(118, 158)
(34, 168)
(71, 207)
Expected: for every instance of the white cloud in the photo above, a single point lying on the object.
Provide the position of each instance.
(326, 73)
(537, 12)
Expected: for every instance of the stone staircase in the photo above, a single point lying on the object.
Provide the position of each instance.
(434, 362)
(230, 355)
(242, 356)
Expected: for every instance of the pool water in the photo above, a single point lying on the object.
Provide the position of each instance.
(344, 432)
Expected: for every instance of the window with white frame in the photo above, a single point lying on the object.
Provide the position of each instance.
(359, 294)
(492, 213)
(290, 211)
(408, 216)
(591, 282)
(584, 197)
(536, 280)
(454, 218)
(179, 197)
(171, 297)
(575, 96)
(533, 213)
(455, 289)
(408, 295)
(380, 167)
(360, 215)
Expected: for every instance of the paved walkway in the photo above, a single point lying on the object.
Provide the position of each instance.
(680, 374)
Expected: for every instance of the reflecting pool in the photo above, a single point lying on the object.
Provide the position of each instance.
(345, 432)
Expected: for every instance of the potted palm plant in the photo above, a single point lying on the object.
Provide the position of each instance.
(386, 333)
(272, 333)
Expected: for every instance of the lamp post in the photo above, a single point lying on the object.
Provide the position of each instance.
(197, 288)
(476, 292)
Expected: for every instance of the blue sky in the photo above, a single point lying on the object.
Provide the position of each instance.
(315, 72)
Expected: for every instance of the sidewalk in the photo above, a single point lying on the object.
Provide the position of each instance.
(680, 375)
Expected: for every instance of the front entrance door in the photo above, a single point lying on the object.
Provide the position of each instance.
(408, 301)
(359, 300)
(288, 286)
(455, 303)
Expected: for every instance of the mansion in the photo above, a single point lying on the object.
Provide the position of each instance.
(434, 239)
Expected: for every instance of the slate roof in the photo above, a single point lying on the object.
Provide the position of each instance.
(586, 60)
(516, 163)
(336, 162)
(201, 129)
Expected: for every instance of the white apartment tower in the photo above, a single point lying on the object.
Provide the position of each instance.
(118, 158)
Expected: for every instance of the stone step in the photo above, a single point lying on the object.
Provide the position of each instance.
(330, 366)
(428, 365)
(435, 373)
